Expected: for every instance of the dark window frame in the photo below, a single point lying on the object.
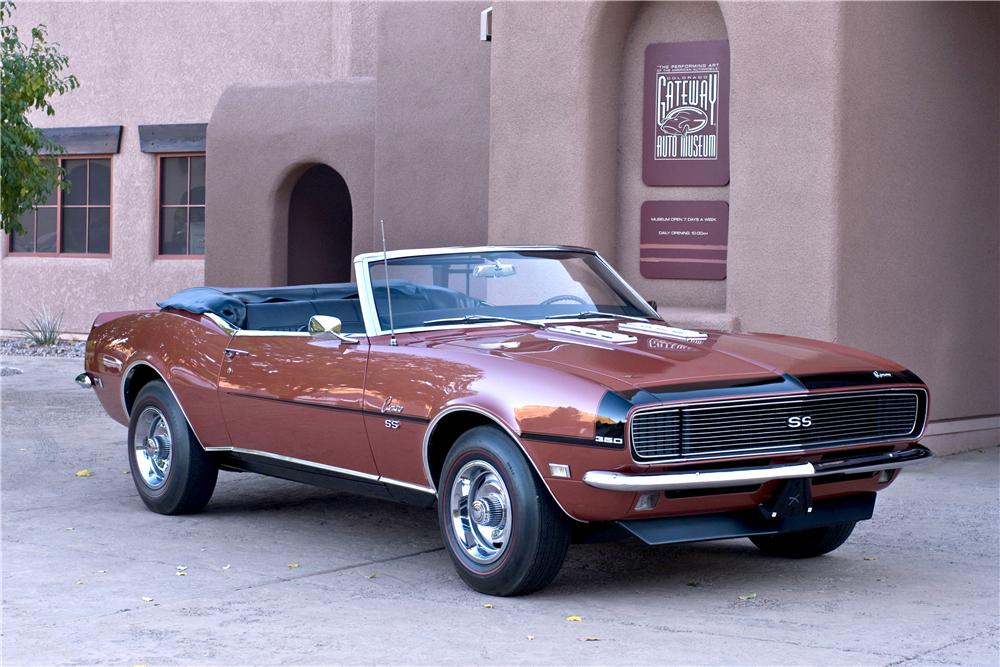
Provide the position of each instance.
(158, 237)
(59, 206)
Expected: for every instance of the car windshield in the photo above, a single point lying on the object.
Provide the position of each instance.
(484, 287)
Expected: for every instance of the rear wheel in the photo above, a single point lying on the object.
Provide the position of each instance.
(172, 473)
(804, 543)
(504, 533)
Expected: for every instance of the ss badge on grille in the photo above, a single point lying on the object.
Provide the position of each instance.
(800, 422)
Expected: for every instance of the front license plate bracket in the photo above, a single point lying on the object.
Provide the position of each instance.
(794, 499)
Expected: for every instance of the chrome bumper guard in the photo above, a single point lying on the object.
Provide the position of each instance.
(709, 479)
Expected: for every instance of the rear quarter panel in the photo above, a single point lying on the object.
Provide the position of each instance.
(185, 349)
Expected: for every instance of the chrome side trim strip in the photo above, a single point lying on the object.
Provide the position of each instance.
(678, 481)
(408, 485)
(347, 472)
(223, 324)
(234, 330)
(496, 420)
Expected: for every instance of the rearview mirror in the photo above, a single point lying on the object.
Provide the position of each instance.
(495, 269)
(326, 327)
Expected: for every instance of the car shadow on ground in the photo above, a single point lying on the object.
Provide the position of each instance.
(625, 565)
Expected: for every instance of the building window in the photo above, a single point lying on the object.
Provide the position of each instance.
(182, 205)
(76, 221)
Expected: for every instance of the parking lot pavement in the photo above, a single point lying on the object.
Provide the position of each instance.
(91, 577)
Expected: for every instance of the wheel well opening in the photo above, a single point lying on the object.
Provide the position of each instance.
(138, 378)
(446, 433)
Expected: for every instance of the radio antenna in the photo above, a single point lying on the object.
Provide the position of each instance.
(388, 291)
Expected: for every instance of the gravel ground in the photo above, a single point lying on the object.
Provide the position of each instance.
(279, 573)
(18, 347)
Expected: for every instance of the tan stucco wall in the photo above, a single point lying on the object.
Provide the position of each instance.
(433, 124)
(784, 145)
(148, 63)
(919, 251)
(261, 139)
(411, 142)
(554, 122)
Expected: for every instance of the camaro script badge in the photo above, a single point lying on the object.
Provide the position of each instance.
(882, 375)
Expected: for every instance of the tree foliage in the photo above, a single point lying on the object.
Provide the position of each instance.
(32, 76)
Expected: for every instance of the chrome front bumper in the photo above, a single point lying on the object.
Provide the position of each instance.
(708, 479)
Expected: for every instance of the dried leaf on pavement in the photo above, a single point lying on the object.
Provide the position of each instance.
(146, 598)
(748, 596)
(86, 472)
(589, 639)
(871, 557)
(488, 605)
(292, 566)
(574, 618)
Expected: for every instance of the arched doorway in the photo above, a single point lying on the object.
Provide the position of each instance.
(319, 228)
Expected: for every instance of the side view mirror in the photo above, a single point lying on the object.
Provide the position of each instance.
(326, 327)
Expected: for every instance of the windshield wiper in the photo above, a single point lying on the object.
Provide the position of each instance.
(472, 319)
(586, 314)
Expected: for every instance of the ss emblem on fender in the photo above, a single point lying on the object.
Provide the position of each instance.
(800, 422)
(392, 423)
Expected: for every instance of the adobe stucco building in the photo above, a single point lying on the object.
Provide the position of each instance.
(864, 139)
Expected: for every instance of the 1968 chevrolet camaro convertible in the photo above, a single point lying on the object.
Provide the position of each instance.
(529, 392)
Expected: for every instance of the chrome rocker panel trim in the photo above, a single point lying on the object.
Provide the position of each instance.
(677, 481)
(345, 472)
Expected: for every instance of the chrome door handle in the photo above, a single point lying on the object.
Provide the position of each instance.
(231, 352)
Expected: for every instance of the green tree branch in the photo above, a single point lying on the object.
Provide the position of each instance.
(32, 76)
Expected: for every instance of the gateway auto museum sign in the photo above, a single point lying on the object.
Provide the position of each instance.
(685, 142)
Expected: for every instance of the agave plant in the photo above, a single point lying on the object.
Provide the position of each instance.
(42, 329)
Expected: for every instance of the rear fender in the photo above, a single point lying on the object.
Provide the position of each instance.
(184, 350)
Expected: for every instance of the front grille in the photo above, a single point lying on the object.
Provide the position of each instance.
(768, 425)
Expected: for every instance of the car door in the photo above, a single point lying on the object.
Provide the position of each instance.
(293, 395)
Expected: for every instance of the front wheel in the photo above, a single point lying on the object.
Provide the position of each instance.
(804, 543)
(504, 533)
(171, 471)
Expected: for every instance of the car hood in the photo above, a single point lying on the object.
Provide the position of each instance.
(657, 361)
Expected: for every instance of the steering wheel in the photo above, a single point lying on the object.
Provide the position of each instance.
(563, 297)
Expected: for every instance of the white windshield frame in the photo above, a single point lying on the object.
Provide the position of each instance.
(362, 272)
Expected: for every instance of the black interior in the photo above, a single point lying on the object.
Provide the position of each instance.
(289, 308)
(293, 315)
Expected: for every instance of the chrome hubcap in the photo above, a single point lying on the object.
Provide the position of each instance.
(152, 447)
(480, 511)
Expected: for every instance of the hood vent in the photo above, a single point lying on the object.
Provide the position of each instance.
(595, 334)
(686, 335)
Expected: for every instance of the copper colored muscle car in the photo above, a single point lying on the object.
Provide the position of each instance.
(529, 392)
